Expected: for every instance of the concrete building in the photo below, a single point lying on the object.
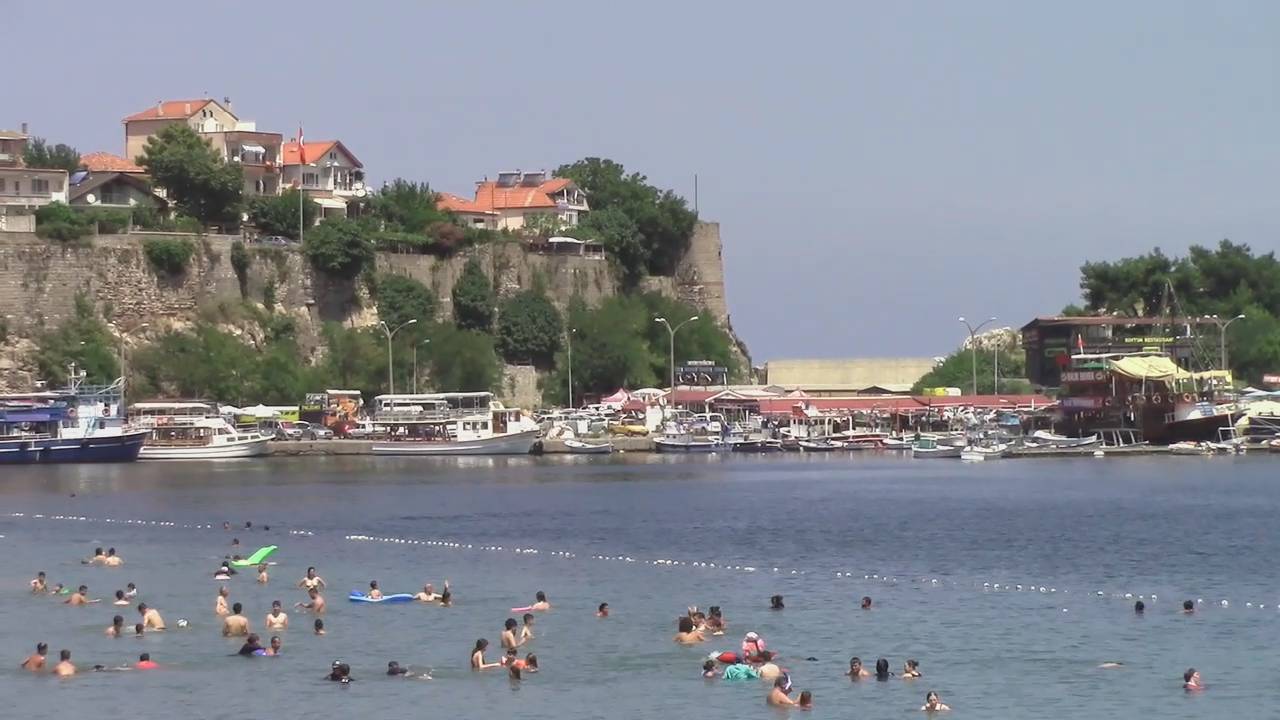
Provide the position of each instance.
(469, 212)
(23, 189)
(108, 189)
(1049, 342)
(327, 172)
(236, 140)
(818, 377)
(517, 199)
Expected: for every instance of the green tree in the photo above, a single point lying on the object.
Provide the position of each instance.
(622, 240)
(463, 360)
(82, 339)
(339, 247)
(41, 155)
(355, 358)
(473, 298)
(401, 299)
(529, 328)
(956, 370)
(407, 206)
(279, 215)
(662, 218)
(168, 256)
(194, 174)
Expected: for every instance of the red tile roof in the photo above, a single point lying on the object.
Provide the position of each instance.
(315, 151)
(489, 195)
(170, 109)
(453, 203)
(106, 162)
(898, 403)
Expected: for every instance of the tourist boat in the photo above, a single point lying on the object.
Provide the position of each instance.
(1044, 438)
(192, 430)
(79, 424)
(455, 423)
(578, 447)
(928, 448)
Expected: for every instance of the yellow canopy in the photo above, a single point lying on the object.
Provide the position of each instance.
(1148, 367)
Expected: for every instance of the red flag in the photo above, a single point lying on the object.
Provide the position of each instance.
(1080, 342)
(302, 154)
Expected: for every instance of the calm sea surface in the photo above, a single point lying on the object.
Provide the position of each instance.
(928, 540)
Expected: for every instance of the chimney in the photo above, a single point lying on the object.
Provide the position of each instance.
(160, 108)
(186, 109)
(24, 128)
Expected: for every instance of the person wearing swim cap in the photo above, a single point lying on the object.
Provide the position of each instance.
(778, 695)
(312, 581)
(145, 662)
(235, 624)
(39, 584)
(151, 619)
(317, 602)
(220, 603)
(252, 646)
(35, 661)
(117, 627)
(277, 619)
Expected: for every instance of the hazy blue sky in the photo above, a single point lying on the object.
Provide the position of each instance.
(878, 168)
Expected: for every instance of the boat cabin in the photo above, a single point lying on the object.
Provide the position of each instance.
(455, 416)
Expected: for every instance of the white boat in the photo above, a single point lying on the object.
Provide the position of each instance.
(684, 442)
(984, 452)
(820, 445)
(892, 443)
(1190, 448)
(928, 448)
(1044, 438)
(578, 447)
(459, 423)
(183, 430)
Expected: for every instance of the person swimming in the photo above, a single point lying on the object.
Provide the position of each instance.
(856, 671)
(477, 656)
(806, 700)
(778, 696)
(139, 630)
(318, 626)
(35, 661)
(145, 662)
(394, 669)
(540, 602)
(263, 578)
(933, 703)
(752, 646)
(1139, 607)
(775, 603)
(311, 581)
(1191, 681)
(686, 634)
(317, 602)
(709, 670)
(79, 597)
(112, 559)
(768, 669)
(223, 572)
(252, 646)
(339, 672)
(65, 667)
(97, 559)
(39, 584)
(882, 670)
(117, 627)
(911, 670)
(277, 619)
(427, 595)
(235, 624)
(866, 602)
(1188, 607)
(603, 610)
(131, 591)
(715, 620)
(526, 629)
(150, 617)
(509, 640)
(220, 603)
(374, 592)
(446, 597)
(120, 598)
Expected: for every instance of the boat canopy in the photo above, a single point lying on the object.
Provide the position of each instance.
(1159, 368)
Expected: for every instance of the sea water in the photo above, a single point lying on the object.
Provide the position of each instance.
(1010, 582)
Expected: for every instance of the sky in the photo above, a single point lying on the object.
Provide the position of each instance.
(877, 168)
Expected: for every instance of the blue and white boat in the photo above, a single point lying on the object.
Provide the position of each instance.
(77, 425)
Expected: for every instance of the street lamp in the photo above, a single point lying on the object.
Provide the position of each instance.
(569, 344)
(415, 363)
(673, 331)
(391, 382)
(124, 379)
(973, 346)
(1222, 335)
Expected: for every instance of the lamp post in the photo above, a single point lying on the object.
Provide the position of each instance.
(973, 346)
(672, 405)
(124, 379)
(1222, 335)
(415, 363)
(569, 345)
(391, 382)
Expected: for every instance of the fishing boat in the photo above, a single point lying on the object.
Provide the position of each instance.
(892, 443)
(819, 445)
(928, 448)
(1044, 438)
(76, 425)
(1190, 448)
(979, 453)
(686, 443)
(455, 423)
(192, 430)
(578, 447)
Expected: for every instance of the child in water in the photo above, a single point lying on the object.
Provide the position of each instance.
(709, 670)
(806, 700)
(319, 626)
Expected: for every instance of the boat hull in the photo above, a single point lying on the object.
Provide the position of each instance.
(514, 444)
(936, 453)
(663, 445)
(577, 447)
(117, 448)
(229, 451)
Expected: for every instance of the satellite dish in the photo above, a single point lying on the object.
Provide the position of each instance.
(244, 217)
(91, 199)
(361, 192)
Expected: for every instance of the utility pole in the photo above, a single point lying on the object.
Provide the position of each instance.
(973, 346)
(671, 404)
(391, 382)
(569, 346)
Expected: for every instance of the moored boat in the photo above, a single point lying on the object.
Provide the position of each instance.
(578, 447)
(76, 425)
(820, 445)
(984, 452)
(928, 448)
(684, 443)
(451, 424)
(192, 430)
(1044, 438)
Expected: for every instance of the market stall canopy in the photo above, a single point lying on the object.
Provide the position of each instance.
(261, 411)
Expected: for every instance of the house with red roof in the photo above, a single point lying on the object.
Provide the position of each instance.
(238, 141)
(327, 172)
(517, 199)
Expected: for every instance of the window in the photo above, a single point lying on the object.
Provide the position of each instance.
(310, 179)
(17, 187)
(114, 195)
(39, 186)
(333, 155)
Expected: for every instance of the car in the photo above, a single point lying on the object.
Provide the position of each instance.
(308, 431)
(288, 430)
(361, 431)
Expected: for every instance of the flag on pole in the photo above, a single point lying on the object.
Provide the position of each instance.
(302, 154)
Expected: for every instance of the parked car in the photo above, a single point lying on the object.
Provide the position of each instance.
(284, 429)
(308, 431)
(361, 431)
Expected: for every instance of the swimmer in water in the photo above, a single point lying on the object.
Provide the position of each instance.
(686, 635)
(856, 671)
(768, 669)
(510, 659)
(120, 598)
(139, 630)
(394, 669)
(97, 559)
(509, 641)
(428, 594)
(752, 647)
(775, 603)
(540, 602)
(933, 703)
(1188, 607)
(35, 661)
(220, 604)
(263, 578)
(526, 629)
(340, 672)
(151, 619)
(252, 646)
(277, 619)
(223, 573)
(446, 597)
(145, 662)
(235, 624)
(911, 670)
(603, 610)
(778, 695)
(477, 657)
(806, 700)
(715, 620)
(1139, 608)
(117, 627)
(276, 645)
(882, 670)
(235, 542)
(79, 597)
(374, 592)
(709, 670)
(529, 664)
(1191, 681)
(866, 602)
(64, 668)
(319, 626)
(131, 591)
(113, 560)
(317, 602)
(312, 581)
(39, 584)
